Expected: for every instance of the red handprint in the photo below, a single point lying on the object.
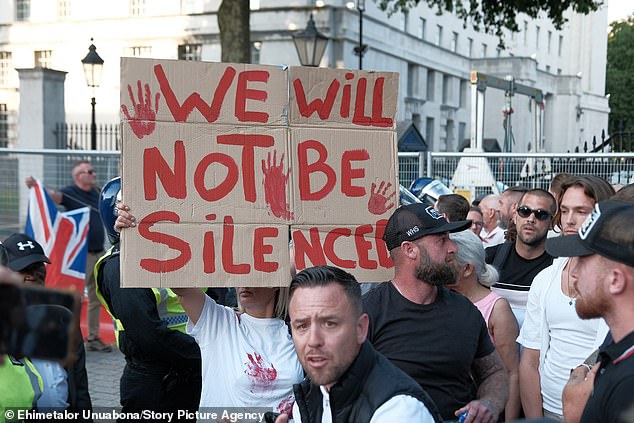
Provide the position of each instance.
(275, 182)
(378, 202)
(142, 123)
(262, 377)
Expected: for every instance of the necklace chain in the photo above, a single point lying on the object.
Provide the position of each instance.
(570, 294)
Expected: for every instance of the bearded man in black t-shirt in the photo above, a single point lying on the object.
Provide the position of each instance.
(436, 336)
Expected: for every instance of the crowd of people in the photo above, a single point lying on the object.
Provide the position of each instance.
(518, 306)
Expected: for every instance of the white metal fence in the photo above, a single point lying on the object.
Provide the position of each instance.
(53, 167)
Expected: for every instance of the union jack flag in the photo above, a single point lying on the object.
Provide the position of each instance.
(63, 236)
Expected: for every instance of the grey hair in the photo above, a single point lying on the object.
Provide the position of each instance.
(470, 251)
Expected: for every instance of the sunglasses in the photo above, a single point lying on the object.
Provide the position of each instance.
(540, 214)
(90, 172)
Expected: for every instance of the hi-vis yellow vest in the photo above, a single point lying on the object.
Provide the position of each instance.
(20, 387)
(167, 304)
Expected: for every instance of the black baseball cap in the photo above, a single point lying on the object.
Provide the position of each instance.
(408, 223)
(608, 231)
(22, 251)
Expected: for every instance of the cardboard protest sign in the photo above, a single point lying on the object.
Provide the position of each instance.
(224, 163)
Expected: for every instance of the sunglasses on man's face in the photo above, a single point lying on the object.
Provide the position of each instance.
(90, 172)
(540, 214)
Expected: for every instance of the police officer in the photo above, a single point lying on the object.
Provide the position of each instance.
(162, 371)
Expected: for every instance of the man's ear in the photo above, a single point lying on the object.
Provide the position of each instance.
(362, 328)
(467, 270)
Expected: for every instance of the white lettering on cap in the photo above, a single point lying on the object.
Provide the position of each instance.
(22, 246)
(433, 213)
(412, 231)
(589, 222)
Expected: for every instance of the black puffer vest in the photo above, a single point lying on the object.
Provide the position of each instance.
(368, 383)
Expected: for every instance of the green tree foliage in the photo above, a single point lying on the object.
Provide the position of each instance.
(620, 74)
(494, 16)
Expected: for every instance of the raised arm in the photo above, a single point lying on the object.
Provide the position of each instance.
(56, 196)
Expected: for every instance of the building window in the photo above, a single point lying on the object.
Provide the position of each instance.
(190, 52)
(549, 40)
(43, 59)
(470, 47)
(140, 51)
(454, 42)
(484, 50)
(558, 71)
(405, 21)
(560, 47)
(537, 32)
(525, 33)
(423, 28)
(63, 8)
(431, 84)
(5, 68)
(413, 73)
(548, 68)
(137, 7)
(429, 132)
(4, 126)
(446, 89)
(22, 10)
(439, 35)
(463, 93)
(256, 46)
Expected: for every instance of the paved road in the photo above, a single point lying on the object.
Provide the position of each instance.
(104, 371)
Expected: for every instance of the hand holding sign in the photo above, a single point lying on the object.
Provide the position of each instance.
(379, 198)
(275, 181)
(142, 123)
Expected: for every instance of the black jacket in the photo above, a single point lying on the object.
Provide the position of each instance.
(368, 383)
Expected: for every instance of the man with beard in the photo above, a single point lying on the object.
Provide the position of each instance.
(604, 283)
(436, 336)
(519, 261)
(348, 381)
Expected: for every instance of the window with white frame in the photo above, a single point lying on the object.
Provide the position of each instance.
(431, 84)
(470, 47)
(537, 35)
(454, 42)
(137, 7)
(484, 49)
(190, 52)
(4, 126)
(5, 68)
(560, 47)
(525, 33)
(140, 51)
(63, 9)
(22, 10)
(43, 59)
(549, 41)
(439, 35)
(423, 28)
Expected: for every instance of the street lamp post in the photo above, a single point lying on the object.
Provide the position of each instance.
(310, 44)
(93, 65)
(361, 48)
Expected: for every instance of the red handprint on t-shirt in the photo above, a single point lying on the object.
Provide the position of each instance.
(262, 377)
(378, 202)
(142, 123)
(275, 181)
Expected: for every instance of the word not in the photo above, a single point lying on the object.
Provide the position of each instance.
(173, 177)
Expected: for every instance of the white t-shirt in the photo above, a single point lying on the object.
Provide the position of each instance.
(553, 327)
(400, 408)
(246, 361)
